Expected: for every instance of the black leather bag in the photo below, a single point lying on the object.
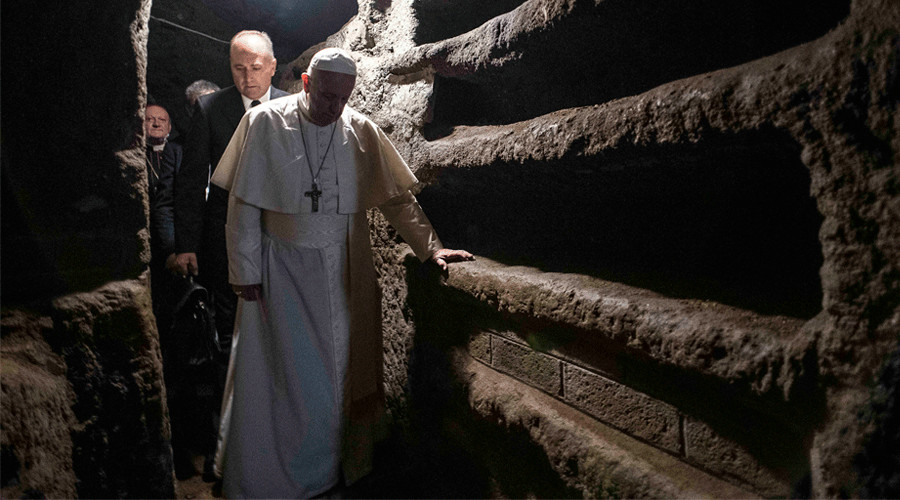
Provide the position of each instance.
(194, 339)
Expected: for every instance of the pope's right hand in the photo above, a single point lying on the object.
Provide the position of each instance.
(186, 263)
(248, 292)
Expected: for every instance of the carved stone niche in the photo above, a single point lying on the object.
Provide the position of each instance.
(728, 218)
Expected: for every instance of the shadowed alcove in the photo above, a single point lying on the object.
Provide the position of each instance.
(728, 220)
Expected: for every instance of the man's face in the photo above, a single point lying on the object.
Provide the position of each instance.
(328, 94)
(251, 67)
(156, 122)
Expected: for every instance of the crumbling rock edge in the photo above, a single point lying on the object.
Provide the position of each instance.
(752, 350)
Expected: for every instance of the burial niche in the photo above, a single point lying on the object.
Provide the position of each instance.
(729, 219)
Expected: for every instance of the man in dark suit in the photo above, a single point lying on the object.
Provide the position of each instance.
(200, 217)
(163, 161)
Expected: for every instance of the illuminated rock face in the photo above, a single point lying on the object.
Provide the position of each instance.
(684, 227)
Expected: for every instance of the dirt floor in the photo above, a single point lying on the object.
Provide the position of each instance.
(399, 472)
(195, 487)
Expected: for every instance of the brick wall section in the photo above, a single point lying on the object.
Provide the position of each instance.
(634, 412)
(637, 414)
(538, 369)
(723, 457)
(480, 347)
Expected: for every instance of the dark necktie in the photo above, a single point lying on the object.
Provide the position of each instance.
(254, 103)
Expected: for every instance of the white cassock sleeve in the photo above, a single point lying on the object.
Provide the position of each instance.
(243, 239)
(407, 217)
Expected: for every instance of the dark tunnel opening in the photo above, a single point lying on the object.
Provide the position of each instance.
(729, 220)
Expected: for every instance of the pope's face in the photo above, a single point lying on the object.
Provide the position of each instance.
(156, 122)
(328, 94)
(252, 67)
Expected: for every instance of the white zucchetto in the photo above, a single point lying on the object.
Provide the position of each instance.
(333, 59)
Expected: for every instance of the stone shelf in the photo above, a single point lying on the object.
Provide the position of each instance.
(547, 55)
(698, 380)
(601, 461)
(736, 346)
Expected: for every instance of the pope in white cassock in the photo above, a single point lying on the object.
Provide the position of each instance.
(305, 391)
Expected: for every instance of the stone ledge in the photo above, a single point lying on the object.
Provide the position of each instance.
(589, 455)
(629, 410)
(508, 50)
(735, 346)
(103, 390)
(771, 91)
(36, 402)
(769, 469)
(708, 383)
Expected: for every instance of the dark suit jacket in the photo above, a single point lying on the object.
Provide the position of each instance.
(215, 117)
(162, 168)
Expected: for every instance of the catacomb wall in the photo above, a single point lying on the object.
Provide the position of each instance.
(83, 411)
(684, 227)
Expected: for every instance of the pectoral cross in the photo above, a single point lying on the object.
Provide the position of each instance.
(314, 193)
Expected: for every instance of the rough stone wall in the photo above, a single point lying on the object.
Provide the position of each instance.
(83, 411)
(686, 221)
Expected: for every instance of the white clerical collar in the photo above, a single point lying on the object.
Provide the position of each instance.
(157, 144)
(247, 101)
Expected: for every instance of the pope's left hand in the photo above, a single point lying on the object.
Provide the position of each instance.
(445, 255)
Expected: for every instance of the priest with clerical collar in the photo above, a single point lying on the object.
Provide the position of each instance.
(305, 389)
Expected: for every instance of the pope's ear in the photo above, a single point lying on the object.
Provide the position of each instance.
(305, 78)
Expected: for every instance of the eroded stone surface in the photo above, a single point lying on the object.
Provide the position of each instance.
(37, 404)
(83, 401)
(823, 105)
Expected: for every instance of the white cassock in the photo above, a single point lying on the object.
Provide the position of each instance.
(304, 383)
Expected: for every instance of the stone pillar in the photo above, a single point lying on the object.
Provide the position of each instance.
(82, 397)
